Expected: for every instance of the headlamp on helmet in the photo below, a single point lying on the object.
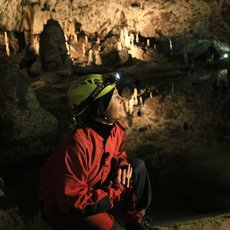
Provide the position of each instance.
(111, 78)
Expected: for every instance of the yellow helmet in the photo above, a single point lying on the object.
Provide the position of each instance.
(89, 88)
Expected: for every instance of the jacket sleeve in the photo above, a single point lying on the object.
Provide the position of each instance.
(76, 195)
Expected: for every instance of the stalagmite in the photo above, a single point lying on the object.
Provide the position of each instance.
(150, 94)
(98, 41)
(7, 44)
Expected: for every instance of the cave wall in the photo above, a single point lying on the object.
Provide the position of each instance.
(177, 27)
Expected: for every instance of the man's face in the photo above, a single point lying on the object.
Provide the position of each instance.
(116, 110)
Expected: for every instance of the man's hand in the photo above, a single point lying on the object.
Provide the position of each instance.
(124, 176)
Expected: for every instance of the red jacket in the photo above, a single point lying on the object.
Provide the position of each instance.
(76, 175)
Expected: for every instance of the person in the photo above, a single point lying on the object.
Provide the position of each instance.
(89, 183)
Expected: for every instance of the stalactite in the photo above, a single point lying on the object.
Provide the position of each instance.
(135, 96)
(148, 42)
(36, 43)
(75, 38)
(72, 28)
(119, 46)
(83, 49)
(127, 39)
(170, 44)
(86, 40)
(122, 40)
(28, 18)
(7, 44)
(131, 104)
(97, 57)
(67, 44)
(90, 58)
(141, 100)
(137, 37)
(132, 39)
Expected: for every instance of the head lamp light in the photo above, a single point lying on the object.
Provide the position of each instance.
(111, 78)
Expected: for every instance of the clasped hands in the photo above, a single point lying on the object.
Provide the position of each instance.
(124, 176)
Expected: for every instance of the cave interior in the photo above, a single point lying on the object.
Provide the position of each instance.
(174, 61)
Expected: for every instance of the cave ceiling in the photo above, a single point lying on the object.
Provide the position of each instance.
(209, 19)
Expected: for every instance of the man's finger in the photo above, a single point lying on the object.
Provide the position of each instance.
(124, 177)
(119, 176)
(129, 172)
(127, 185)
